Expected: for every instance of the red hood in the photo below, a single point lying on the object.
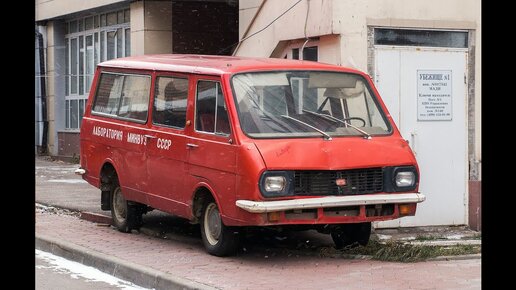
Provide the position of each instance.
(339, 153)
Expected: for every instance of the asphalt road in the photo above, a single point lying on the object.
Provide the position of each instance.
(53, 272)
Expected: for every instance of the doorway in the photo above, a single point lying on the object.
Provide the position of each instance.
(425, 91)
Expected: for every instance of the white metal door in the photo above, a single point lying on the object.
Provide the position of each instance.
(425, 92)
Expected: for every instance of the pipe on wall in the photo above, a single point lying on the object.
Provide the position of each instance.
(43, 93)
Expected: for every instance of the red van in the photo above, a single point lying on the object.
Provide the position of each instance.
(230, 142)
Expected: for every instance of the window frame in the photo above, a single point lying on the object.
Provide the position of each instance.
(116, 117)
(375, 97)
(98, 55)
(176, 76)
(214, 133)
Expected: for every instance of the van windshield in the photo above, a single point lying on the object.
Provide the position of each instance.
(307, 104)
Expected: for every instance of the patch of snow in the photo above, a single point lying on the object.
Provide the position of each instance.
(42, 206)
(76, 270)
(384, 237)
(455, 237)
(408, 238)
(67, 180)
(446, 243)
(65, 169)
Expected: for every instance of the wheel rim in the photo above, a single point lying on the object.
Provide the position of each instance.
(119, 205)
(212, 224)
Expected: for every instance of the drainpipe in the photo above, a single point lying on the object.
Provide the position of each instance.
(43, 92)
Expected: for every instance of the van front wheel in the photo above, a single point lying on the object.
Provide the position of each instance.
(219, 240)
(125, 216)
(351, 234)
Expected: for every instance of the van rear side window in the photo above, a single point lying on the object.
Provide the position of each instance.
(124, 96)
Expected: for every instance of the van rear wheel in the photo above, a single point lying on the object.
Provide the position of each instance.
(126, 216)
(351, 234)
(218, 239)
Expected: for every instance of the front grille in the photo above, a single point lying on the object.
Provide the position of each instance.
(358, 181)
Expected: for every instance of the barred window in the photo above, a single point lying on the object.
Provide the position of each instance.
(89, 41)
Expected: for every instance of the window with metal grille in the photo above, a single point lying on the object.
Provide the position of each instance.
(88, 41)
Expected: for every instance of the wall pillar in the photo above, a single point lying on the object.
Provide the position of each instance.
(55, 74)
(151, 27)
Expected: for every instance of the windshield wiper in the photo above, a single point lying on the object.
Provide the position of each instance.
(326, 136)
(366, 135)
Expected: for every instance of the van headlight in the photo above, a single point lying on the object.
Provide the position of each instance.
(405, 178)
(276, 183)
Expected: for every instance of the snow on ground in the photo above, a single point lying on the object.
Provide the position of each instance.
(76, 270)
(455, 237)
(67, 180)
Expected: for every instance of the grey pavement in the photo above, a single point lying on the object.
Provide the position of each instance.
(56, 184)
(53, 272)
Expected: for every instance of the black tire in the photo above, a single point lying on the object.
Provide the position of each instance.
(218, 239)
(126, 215)
(351, 235)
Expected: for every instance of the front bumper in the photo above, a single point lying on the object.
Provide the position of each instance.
(328, 201)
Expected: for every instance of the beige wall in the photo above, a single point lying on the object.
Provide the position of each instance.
(47, 9)
(350, 18)
(246, 11)
(290, 26)
(151, 27)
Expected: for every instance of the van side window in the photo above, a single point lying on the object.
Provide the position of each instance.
(135, 98)
(170, 98)
(210, 109)
(108, 94)
(125, 96)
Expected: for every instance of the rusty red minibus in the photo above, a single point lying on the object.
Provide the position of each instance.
(232, 142)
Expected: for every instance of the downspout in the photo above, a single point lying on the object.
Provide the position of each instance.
(43, 96)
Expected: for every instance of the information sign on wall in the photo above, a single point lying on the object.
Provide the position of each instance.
(434, 95)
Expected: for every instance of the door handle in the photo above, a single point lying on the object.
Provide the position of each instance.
(191, 145)
(150, 137)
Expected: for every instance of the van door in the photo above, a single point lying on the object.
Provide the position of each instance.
(121, 110)
(166, 145)
(425, 90)
(211, 153)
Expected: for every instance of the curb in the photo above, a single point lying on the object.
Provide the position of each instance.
(95, 217)
(46, 204)
(458, 257)
(137, 274)
(104, 219)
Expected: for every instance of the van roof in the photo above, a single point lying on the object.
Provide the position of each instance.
(212, 64)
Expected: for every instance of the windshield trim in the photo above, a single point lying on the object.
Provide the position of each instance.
(374, 96)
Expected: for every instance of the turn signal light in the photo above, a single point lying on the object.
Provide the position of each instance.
(273, 216)
(407, 209)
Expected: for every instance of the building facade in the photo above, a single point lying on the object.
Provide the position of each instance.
(424, 57)
(77, 35)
